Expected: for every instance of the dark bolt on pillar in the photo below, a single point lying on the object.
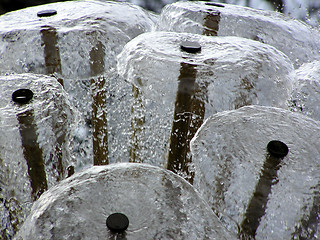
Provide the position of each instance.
(277, 150)
(214, 4)
(211, 21)
(117, 222)
(31, 150)
(47, 13)
(70, 171)
(52, 59)
(190, 47)
(22, 96)
(188, 116)
(99, 115)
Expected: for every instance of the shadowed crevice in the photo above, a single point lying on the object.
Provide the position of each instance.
(99, 115)
(52, 59)
(211, 23)
(32, 153)
(137, 124)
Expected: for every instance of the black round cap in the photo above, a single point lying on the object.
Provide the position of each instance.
(70, 171)
(214, 4)
(22, 96)
(277, 148)
(47, 13)
(190, 47)
(117, 222)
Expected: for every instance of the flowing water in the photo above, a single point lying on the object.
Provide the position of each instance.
(200, 90)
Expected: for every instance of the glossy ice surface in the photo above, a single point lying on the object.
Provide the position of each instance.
(77, 27)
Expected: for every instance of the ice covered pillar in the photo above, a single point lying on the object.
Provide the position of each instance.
(50, 41)
(257, 205)
(212, 20)
(305, 97)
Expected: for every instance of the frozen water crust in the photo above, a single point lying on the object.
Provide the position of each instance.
(163, 96)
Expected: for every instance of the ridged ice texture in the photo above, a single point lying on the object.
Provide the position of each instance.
(158, 204)
(79, 26)
(53, 117)
(296, 39)
(231, 72)
(306, 93)
(229, 151)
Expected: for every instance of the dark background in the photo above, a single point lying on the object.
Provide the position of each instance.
(11, 5)
(308, 12)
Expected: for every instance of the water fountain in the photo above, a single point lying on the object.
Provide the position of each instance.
(36, 130)
(122, 201)
(298, 41)
(77, 42)
(258, 169)
(212, 100)
(206, 75)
